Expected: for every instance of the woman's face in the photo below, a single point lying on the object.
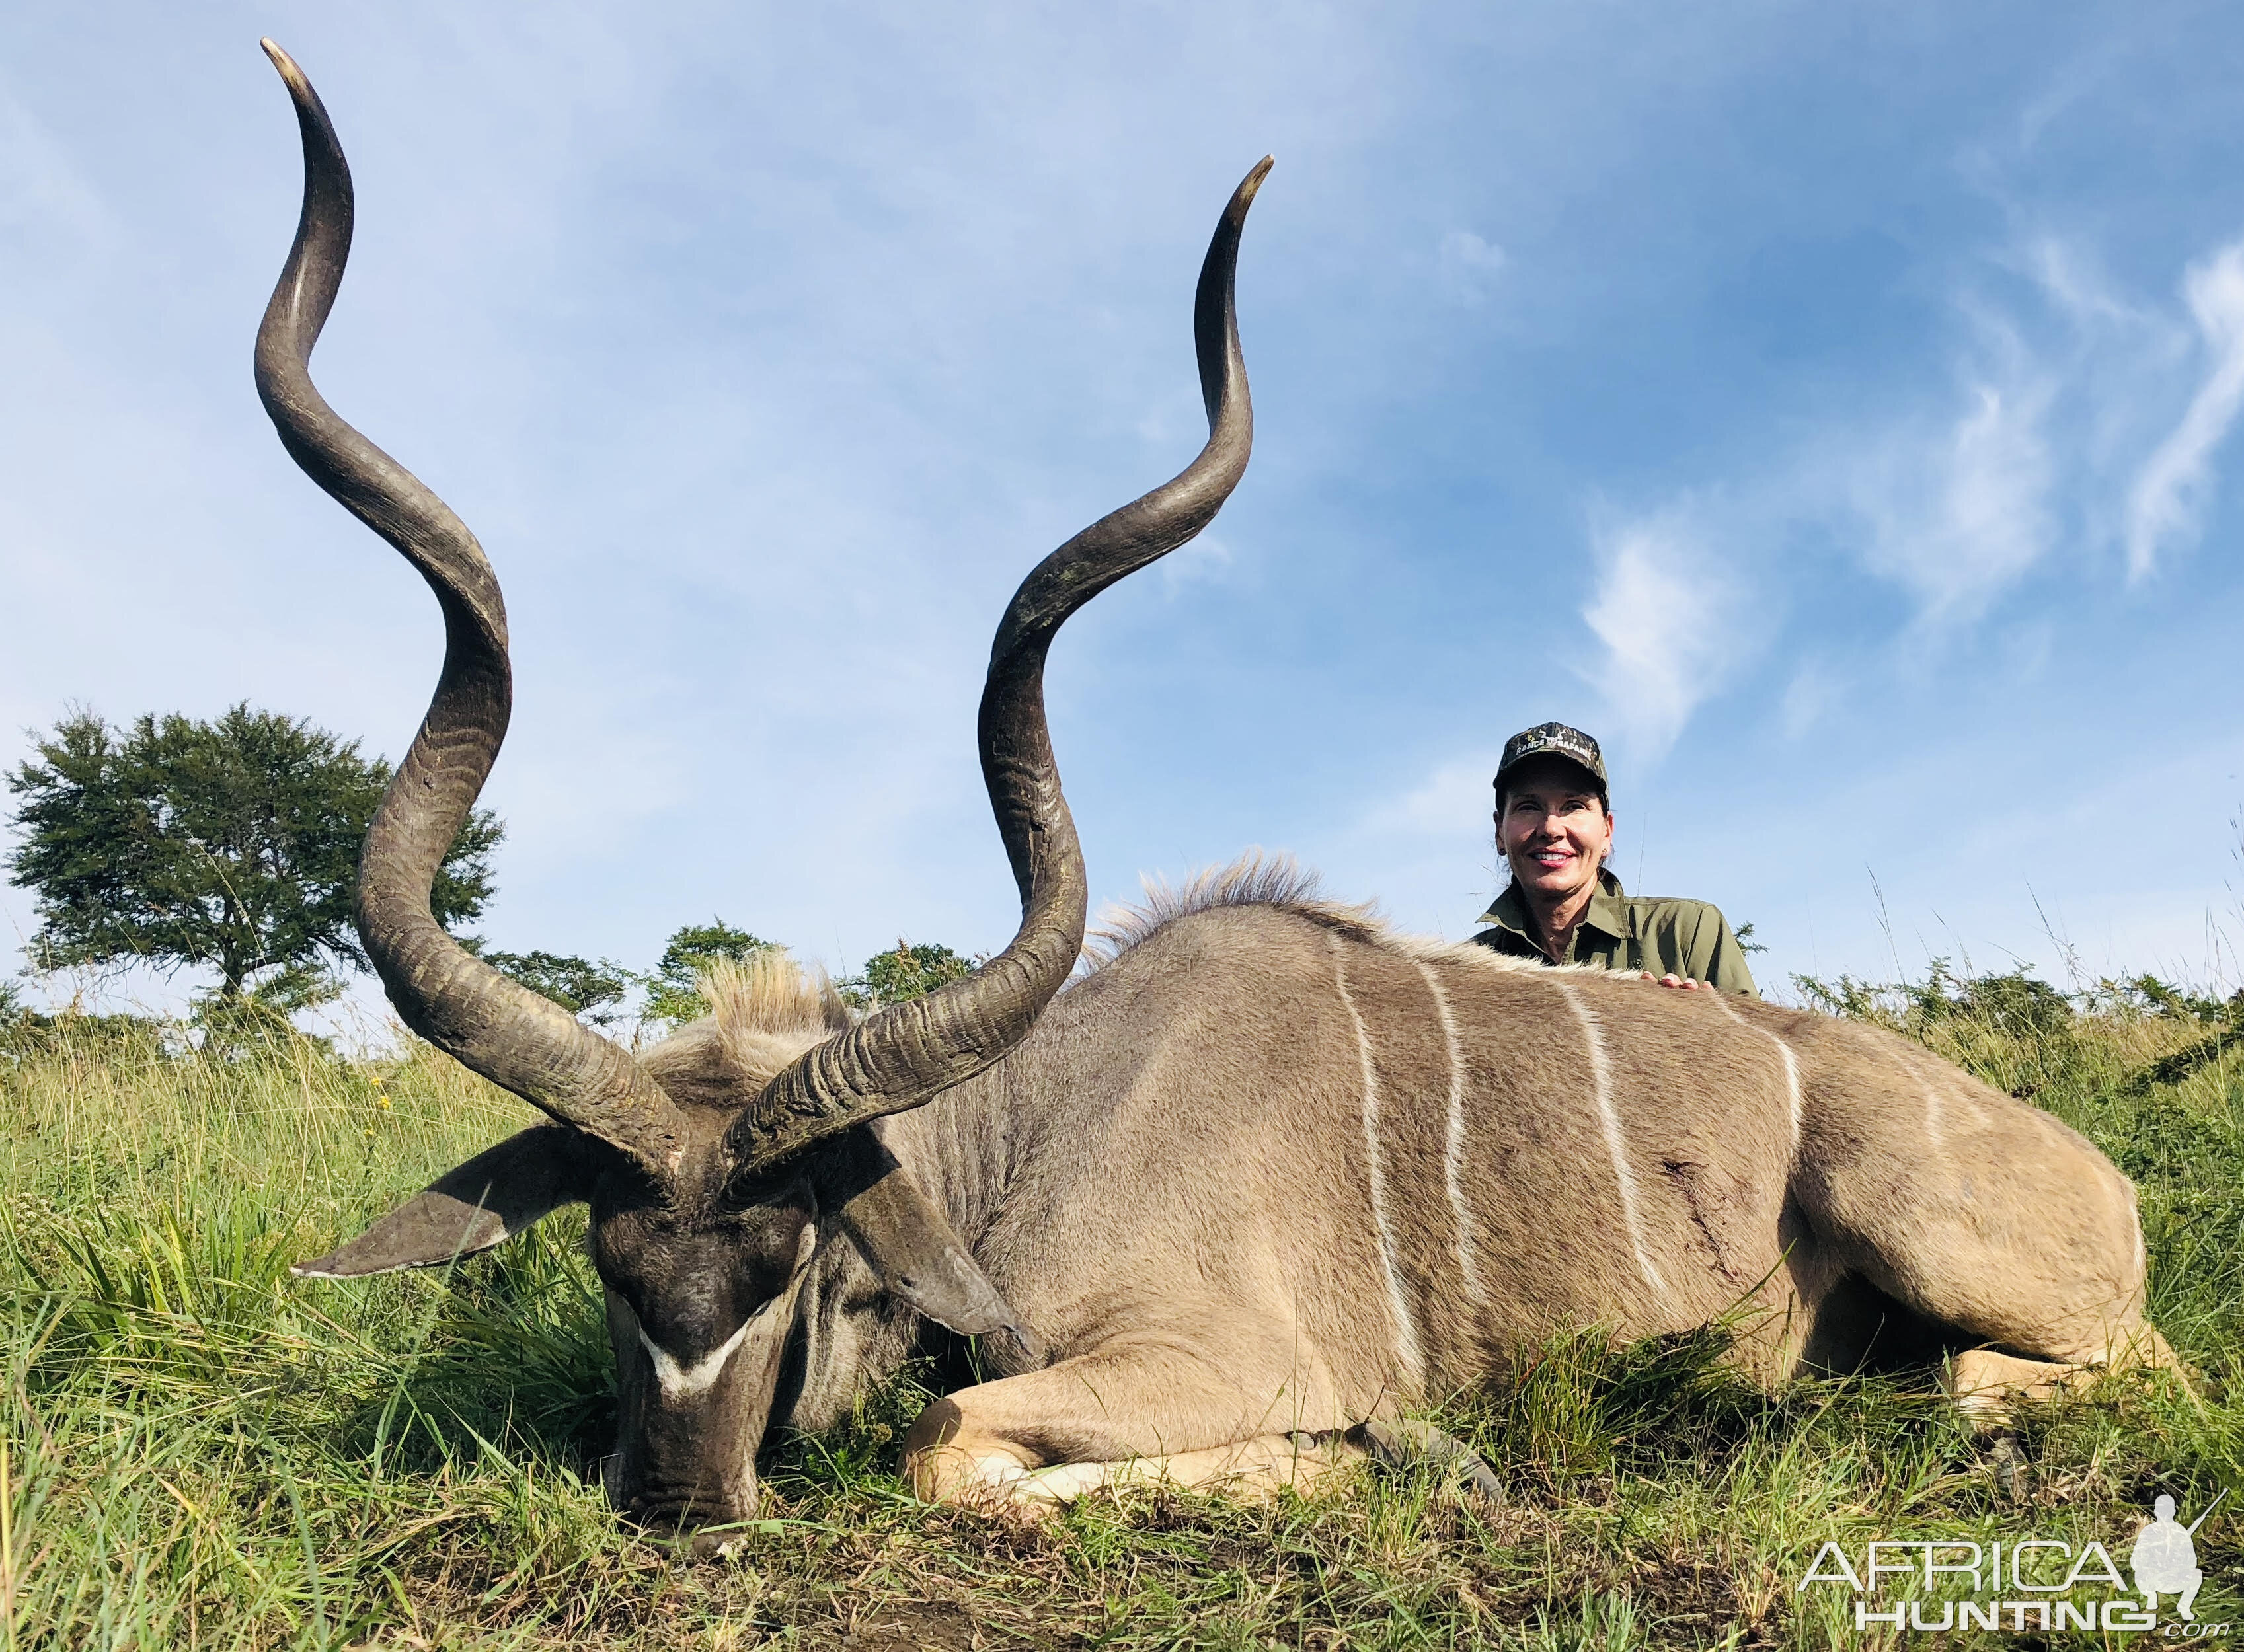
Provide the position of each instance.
(1553, 829)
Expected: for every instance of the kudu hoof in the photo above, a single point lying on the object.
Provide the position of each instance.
(1404, 1445)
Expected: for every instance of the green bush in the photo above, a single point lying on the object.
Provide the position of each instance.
(905, 973)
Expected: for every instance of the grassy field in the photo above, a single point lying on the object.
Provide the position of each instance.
(200, 1451)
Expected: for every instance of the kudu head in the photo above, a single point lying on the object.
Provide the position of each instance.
(707, 1208)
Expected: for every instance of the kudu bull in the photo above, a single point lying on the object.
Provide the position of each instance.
(1265, 1177)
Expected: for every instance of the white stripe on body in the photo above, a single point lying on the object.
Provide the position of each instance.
(1406, 1335)
(1609, 1122)
(1791, 1063)
(1453, 1157)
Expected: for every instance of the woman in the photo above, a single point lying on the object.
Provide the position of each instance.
(1554, 823)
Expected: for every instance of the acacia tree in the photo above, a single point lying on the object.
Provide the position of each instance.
(592, 992)
(674, 994)
(231, 845)
(673, 987)
(906, 971)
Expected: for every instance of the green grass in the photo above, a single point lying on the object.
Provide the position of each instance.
(201, 1452)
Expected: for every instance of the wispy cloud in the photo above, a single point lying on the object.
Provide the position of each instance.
(2165, 507)
(1956, 513)
(2034, 444)
(2077, 288)
(1471, 264)
(39, 187)
(1200, 562)
(1669, 618)
(1809, 694)
(1453, 800)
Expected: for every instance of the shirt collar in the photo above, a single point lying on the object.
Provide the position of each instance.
(1606, 912)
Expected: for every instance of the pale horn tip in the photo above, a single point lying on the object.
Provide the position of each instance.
(297, 81)
(1243, 196)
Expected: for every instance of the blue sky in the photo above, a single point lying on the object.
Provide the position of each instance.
(1831, 407)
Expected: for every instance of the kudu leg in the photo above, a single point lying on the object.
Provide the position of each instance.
(1985, 1384)
(1251, 1470)
(1124, 1417)
(1257, 1470)
(2017, 1237)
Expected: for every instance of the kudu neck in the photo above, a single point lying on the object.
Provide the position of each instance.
(959, 1148)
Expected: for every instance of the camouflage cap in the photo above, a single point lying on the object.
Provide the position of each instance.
(1551, 740)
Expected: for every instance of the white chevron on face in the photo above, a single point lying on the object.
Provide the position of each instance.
(680, 1381)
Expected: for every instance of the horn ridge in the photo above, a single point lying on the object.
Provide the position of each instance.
(490, 1023)
(907, 1053)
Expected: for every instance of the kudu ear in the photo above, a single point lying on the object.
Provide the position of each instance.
(491, 1197)
(908, 1243)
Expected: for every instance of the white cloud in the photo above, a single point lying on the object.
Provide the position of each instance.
(1470, 265)
(2073, 281)
(39, 187)
(1811, 692)
(2166, 505)
(1456, 797)
(1956, 514)
(2042, 430)
(1668, 617)
(1198, 562)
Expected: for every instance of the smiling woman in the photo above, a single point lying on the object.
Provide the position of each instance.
(1554, 822)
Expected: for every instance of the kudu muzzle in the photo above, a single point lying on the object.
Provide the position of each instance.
(669, 1413)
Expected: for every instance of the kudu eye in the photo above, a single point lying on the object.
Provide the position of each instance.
(749, 1190)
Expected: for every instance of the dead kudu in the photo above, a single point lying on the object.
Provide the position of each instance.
(1267, 1177)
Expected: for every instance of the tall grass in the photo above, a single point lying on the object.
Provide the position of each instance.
(201, 1452)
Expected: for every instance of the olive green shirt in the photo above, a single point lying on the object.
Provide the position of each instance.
(1688, 939)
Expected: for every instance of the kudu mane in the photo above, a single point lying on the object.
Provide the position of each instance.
(1259, 878)
(1254, 879)
(765, 1010)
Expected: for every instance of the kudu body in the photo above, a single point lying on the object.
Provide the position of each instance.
(1269, 1174)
